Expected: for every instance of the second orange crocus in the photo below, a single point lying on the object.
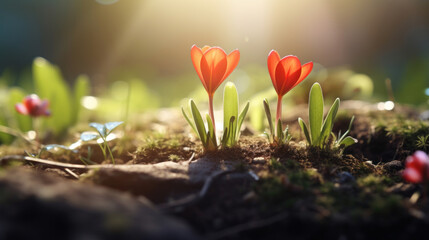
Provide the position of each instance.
(286, 73)
(213, 66)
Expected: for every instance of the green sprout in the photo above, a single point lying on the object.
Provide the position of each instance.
(321, 129)
(277, 135)
(422, 142)
(232, 121)
(103, 131)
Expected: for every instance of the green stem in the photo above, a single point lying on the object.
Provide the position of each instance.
(279, 109)
(212, 112)
(110, 152)
(103, 150)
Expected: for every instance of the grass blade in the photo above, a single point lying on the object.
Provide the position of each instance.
(269, 117)
(211, 132)
(199, 123)
(347, 141)
(304, 129)
(329, 122)
(240, 120)
(189, 121)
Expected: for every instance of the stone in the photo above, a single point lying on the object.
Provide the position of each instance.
(159, 182)
(38, 205)
(345, 177)
(393, 166)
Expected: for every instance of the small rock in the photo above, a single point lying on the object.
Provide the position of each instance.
(392, 166)
(345, 177)
(38, 205)
(161, 181)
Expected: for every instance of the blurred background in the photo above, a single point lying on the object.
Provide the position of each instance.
(356, 45)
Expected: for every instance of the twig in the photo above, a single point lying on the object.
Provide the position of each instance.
(5, 159)
(197, 197)
(71, 173)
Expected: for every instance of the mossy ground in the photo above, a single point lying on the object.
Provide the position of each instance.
(356, 187)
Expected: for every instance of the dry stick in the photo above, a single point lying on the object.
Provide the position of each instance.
(59, 164)
(195, 198)
(71, 173)
(48, 162)
(191, 199)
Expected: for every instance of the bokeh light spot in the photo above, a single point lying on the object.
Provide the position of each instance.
(89, 102)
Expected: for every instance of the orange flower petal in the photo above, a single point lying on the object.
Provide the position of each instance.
(273, 60)
(305, 70)
(232, 62)
(196, 55)
(205, 48)
(287, 74)
(213, 67)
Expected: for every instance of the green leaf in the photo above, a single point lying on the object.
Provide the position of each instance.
(110, 126)
(305, 130)
(210, 145)
(23, 122)
(329, 122)
(348, 141)
(224, 138)
(199, 123)
(211, 132)
(315, 112)
(88, 136)
(269, 117)
(230, 110)
(189, 121)
(240, 121)
(286, 136)
(50, 85)
(81, 89)
(231, 133)
(101, 128)
(348, 130)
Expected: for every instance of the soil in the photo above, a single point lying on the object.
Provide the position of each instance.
(252, 191)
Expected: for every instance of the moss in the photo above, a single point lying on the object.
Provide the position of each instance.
(271, 189)
(274, 164)
(174, 158)
(306, 179)
(385, 206)
(160, 148)
(372, 183)
(407, 135)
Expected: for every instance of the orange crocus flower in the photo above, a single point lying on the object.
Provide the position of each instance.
(286, 73)
(213, 66)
